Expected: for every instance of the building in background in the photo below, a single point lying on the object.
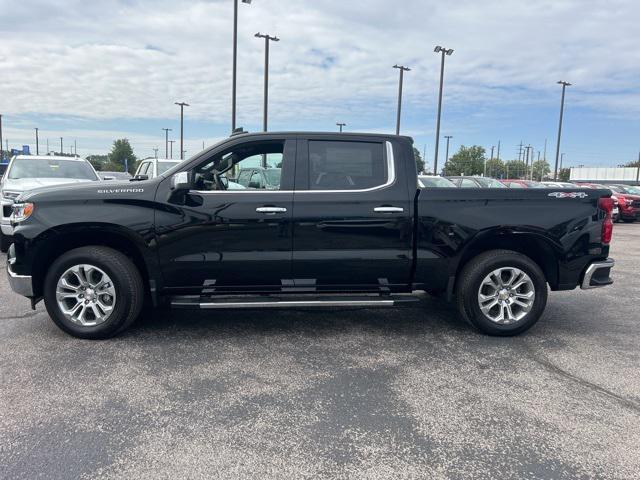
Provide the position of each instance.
(626, 175)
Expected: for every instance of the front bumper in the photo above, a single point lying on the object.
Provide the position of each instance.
(598, 274)
(21, 284)
(5, 223)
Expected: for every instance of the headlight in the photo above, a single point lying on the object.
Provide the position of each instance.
(10, 195)
(21, 211)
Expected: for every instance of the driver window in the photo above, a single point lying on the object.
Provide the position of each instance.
(242, 168)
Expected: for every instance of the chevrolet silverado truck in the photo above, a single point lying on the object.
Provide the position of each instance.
(347, 226)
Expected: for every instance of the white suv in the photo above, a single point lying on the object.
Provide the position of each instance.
(154, 167)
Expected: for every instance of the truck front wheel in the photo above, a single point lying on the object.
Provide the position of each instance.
(93, 292)
(501, 292)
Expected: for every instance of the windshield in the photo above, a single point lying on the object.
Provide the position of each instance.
(273, 176)
(437, 182)
(630, 190)
(165, 166)
(489, 182)
(45, 168)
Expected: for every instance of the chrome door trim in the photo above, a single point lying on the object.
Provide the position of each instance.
(271, 210)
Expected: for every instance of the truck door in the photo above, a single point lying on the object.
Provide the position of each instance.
(352, 216)
(229, 238)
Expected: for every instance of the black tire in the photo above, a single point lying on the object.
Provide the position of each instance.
(127, 282)
(5, 242)
(470, 281)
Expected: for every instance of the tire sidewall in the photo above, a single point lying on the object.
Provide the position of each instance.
(123, 297)
(472, 306)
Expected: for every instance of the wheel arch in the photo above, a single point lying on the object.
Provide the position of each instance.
(54, 242)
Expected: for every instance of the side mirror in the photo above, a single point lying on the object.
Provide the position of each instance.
(180, 181)
(108, 178)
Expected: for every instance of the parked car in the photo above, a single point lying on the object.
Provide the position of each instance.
(629, 201)
(3, 169)
(259, 178)
(347, 227)
(559, 184)
(476, 182)
(154, 167)
(111, 176)
(516, 183)
(26, 172)
(433, 181)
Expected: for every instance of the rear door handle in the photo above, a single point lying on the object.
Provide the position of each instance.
(388, 209)
(271, 210)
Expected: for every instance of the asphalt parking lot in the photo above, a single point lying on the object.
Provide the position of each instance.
(410, 393)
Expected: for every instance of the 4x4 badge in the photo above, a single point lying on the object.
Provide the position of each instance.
(569, 194)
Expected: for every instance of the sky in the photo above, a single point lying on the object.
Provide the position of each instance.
(92, 72)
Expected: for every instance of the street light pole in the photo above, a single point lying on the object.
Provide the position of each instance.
(402, 70)
(171, 142)
(448, 137)
(166, 141)
(61, 150)
(37, 143)
(444, 52)
(181, 105)
(564, 87)
(267, 39)
(235, 64)
(341, 125)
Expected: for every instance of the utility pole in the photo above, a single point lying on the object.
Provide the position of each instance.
(166, 141)
(37, 143)
(545, 150)
(47, 146)
(564, 87)
(1, 152)
(561, 160)
(235, 64)
(61, 149)
(498, 154)
(402, 70)
(171, 142)
(446, 160)
(444, 52)
(341, 125)
(267, 39)
(75, 147)
(181, 105)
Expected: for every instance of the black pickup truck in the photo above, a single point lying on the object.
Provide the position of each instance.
(348, 226)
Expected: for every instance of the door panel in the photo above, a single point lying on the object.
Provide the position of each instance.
(228, 241)
(340, 241)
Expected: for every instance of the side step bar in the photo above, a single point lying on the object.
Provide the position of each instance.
(236, 302)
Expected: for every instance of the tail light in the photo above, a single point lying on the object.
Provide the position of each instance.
(606, 204)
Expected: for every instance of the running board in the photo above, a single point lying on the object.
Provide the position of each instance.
(208, 303)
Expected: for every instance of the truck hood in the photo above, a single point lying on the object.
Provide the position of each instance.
(83, 191)
(25, 184)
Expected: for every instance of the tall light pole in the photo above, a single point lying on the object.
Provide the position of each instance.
(235, 64)
(448, 137)
(61, 150)
(402, 70)
(564, 87)
(341, 125)
(267, 39)
(1, 151)
(37, 143)
(182, 105)
(444, 52)
(166, 141)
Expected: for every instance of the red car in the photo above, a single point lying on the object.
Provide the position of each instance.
(628, 205)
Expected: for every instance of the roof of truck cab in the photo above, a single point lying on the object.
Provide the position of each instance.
(48, 157)
(337, 134)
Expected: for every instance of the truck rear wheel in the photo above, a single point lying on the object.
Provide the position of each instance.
(501, 292)
(93, 292)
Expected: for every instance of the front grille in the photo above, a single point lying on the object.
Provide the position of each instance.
(6, 211)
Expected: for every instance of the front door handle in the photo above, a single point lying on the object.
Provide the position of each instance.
(271, 210)
(388, 209)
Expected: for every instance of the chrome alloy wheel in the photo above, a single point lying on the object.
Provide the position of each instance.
(506, 295)
(86, 295)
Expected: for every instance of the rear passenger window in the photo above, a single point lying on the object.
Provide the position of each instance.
(346, 165)
(466, 183)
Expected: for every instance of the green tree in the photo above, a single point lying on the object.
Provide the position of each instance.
(99, 162)
(122, 153)
(541, 169)
(467, 161)
(515, 169)
(495, 168)
(564, 175)
(635, 164)
(419, 160)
